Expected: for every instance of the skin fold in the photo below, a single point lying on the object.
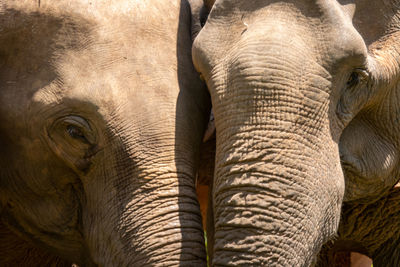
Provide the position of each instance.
(101, 119)
(370, 144)
(301, 90)
(371, 229)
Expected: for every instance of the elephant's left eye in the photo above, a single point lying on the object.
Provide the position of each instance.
(353, 80)
(356, 77)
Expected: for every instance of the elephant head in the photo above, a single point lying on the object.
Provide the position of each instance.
(101, 118)
(287, 79)
(370, 144)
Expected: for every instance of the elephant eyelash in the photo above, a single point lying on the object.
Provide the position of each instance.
(75, 127)
(76, 133)
(353, 79)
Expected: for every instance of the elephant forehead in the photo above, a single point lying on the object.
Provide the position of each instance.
(108, 91)
(322, 26)
(114, 61)
(138, 10)
(113, 77)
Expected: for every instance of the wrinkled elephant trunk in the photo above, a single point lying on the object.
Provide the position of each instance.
(173, 234)
(278, 183)
(271, 207)
(150, 216)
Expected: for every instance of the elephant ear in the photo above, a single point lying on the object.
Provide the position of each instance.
(199, 13)
(200, 10)
(378, 22)
(370, 144)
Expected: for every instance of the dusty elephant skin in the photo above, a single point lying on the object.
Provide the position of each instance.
(286, 79)
(101, 119)
(371, 229)
(370, 158)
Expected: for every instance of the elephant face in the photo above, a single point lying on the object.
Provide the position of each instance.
(101, 117)
(369, 146)
(286, 80)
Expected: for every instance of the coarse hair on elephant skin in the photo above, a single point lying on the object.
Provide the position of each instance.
(372, 229)
(305, 98)
(101, 119)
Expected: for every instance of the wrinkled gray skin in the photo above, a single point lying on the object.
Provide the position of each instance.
(371, 229)
(291, 82)
(101, 119)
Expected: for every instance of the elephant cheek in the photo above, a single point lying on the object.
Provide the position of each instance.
(369, 162)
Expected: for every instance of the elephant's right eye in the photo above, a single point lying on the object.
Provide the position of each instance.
(79, 129)
(74, 140)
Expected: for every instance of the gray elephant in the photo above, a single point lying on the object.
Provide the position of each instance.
(372, 229)
(101, 119)
(299, 90)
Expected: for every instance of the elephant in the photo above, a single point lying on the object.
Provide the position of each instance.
(102, 116)
(15, 251)
(305, 100)
(371, 229)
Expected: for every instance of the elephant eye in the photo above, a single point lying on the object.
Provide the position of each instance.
(356, 77)
(74, 128)
(76, 133)
(353, 80)
(79, 129)
(74, 139)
